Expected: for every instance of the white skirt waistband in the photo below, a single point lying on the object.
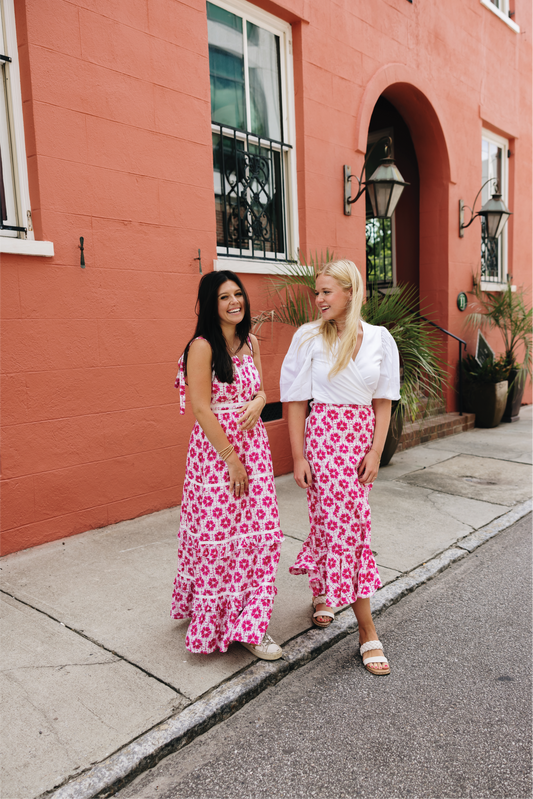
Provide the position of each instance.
(227, 406)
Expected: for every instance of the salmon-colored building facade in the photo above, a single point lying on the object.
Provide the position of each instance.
(136, 124)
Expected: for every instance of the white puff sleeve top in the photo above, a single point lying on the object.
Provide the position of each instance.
(374, 374)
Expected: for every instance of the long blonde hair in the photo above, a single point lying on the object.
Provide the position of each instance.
(348, 277)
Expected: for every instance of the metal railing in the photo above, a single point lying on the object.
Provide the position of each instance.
(462, 343)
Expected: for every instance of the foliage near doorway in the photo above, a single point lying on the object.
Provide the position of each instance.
(422, 369)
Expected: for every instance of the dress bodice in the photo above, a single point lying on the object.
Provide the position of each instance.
(246, 383)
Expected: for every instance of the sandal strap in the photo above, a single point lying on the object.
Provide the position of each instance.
(323, 613)
(379, 659)
(370, 645)
(319, 600)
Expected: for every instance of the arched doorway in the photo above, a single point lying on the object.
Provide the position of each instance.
(411, 97)
(393, 245)
(398, 97)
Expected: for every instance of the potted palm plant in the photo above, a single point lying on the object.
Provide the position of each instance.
(508, 312)
(422, 372)
(485, 391)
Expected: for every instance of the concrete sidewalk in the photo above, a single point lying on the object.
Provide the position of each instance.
(97, 683)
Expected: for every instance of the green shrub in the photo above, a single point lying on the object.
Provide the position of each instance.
(490, 371)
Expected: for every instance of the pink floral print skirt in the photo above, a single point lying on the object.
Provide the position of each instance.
(228, 548)
(336, 555)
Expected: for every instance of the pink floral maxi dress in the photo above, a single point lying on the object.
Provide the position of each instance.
(228, 547)
(337, 554)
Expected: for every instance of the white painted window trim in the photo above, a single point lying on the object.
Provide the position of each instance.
(500, 141)
(502, 15)
(249, 266)
(284, 31)
(23, 243)
(486, 285)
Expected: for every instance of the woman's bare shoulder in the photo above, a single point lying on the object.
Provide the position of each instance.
(200, 349)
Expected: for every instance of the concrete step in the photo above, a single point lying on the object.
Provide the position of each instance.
(433, 427)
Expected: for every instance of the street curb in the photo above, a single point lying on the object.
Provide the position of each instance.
(119, 769)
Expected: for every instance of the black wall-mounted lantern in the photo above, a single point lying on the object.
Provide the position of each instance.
(494, 211)
(384, 187)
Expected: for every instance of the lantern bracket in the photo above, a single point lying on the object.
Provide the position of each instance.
(348, 199)
(462, 206)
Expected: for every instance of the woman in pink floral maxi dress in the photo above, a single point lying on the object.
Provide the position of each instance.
(350, 370)
(229, 535)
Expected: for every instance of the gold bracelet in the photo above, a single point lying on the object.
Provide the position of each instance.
(261, 396)
(226, 452)
(377, 453)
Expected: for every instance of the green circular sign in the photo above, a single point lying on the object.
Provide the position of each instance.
(462, 301)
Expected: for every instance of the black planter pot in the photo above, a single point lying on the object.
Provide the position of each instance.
(393, 437)
(487, 401)
(517, 381)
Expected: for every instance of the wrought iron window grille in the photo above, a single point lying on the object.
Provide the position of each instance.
(250, 194)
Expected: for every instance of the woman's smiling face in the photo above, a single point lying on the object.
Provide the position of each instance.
(231, 303)
(331, 299)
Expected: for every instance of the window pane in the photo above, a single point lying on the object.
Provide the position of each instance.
(226, 67)
(491, 167)
(7, 187)
(378, 231)
(265, 199)
(264, 76)
(228, 169)
(248, 197)
(379, 252)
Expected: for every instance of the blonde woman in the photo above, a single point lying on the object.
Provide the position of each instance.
(350, 370)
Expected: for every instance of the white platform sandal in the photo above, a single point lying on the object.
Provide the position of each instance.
(376, 659)
(321, 600)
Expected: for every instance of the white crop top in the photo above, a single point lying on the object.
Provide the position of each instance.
(375, 372)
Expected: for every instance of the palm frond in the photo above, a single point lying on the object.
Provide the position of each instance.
(507, 312)
(292, 290)
(423, 370)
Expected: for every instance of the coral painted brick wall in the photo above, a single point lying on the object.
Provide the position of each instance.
(117, 114)
(116, 100)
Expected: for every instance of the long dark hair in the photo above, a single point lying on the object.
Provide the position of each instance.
(208, 324)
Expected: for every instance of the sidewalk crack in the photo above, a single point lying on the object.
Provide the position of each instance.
(101, 646)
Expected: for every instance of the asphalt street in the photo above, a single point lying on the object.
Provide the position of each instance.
(453, 720)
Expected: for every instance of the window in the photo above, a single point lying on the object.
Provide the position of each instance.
(502, 10)
(493, 169)
(503, 5)
(16, 230)
(253, 159)
(380, 266)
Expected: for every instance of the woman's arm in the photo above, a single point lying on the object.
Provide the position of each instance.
(297, 416)
(199, 369)
(368, 470)
(252, 410)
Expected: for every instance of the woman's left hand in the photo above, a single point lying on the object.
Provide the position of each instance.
(368, 470)
(251, 413)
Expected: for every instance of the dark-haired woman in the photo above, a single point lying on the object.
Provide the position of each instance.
(229, 535)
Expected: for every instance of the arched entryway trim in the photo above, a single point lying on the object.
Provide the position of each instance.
(415, 100)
